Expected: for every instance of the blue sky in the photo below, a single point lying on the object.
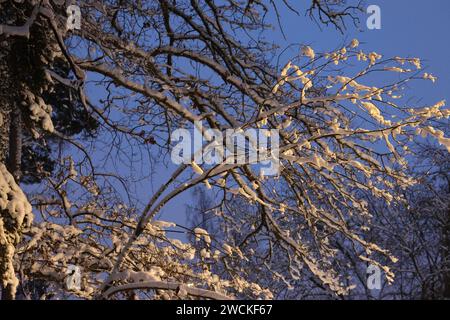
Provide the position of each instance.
(410, 28)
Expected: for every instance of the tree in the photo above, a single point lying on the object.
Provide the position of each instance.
(25, 115)
(157, 66)
(418, 231)
(415, 231)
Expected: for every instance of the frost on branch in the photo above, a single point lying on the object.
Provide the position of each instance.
(343, 140)
(15, 216)
(40, 112)
(343, 144)
(156, 264)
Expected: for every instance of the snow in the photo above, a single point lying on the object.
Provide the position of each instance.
(14, 201)
(373, 57)
(299, 75)
(153, 274)
(40, 111)
(197, 168)
(199, 232)
(375, 113)
(439, 135)
(354, 43)
(397, 69)
(429, 76)
(307, 51)
(163, 224)
(205, 254)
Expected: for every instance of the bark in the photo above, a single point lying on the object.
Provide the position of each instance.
(15, 145)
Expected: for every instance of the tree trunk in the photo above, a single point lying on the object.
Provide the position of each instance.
(15, 144)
